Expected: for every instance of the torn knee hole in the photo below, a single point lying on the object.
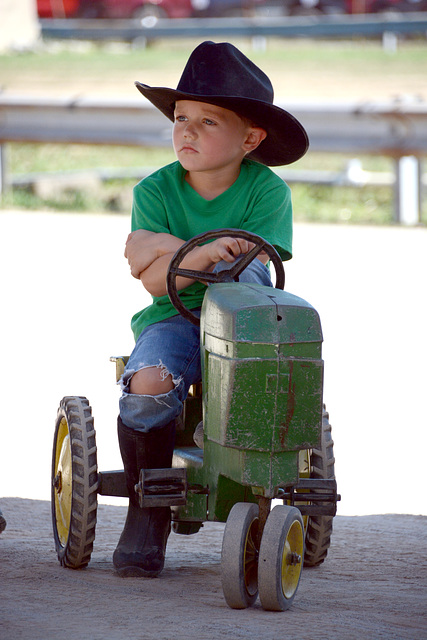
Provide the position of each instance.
(152, 381)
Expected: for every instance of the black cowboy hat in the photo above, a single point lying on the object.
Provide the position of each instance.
(222, 75)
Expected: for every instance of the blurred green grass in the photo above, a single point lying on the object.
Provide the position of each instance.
(319, 203)
(61, 64)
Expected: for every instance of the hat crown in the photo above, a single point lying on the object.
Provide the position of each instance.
(222, 70)
(222, 75)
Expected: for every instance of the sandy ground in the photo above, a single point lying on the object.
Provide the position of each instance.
(372, 586)
(67, 298)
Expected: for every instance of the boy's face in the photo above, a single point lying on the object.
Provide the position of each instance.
(207, 137)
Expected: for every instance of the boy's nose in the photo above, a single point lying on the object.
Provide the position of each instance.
(190, 131)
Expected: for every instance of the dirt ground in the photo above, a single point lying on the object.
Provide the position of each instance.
(373, 585)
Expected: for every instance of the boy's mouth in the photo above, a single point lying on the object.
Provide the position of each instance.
(187, 148)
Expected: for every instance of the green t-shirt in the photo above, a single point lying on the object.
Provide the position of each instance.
(259, 201)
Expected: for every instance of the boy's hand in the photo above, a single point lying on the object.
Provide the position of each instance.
(138, 252)
(144, 247)
(227, 249)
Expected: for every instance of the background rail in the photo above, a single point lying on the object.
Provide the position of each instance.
(397, 129)
(326, 26)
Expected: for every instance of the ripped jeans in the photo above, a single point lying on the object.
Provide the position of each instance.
(173, 345)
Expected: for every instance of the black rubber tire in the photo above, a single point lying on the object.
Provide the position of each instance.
(319, 528)
(74, 483)
(280, 558)
(239, 556)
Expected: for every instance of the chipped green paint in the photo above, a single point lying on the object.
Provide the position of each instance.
(262, 394)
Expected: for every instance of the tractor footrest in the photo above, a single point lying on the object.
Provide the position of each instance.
(112, 483)
(313, 497)
(162, 487)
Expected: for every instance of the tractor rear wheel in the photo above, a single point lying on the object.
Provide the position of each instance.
(74, 482)
(319, 528)
(239, 556)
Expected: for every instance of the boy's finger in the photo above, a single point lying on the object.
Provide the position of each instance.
(128, 239)
(244, 245)
(236, 246)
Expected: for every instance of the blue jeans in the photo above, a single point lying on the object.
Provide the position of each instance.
(173, 345)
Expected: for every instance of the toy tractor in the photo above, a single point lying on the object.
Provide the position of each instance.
(266, 437)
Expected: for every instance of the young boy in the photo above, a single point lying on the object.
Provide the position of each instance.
(226, 129)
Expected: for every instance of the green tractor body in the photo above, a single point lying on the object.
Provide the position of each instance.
(262, 396)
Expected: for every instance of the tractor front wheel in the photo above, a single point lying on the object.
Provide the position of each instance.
(239, 556)
(74, 482)
(280, 558)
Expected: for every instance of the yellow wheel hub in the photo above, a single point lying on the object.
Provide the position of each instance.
(63, 482)
(292, 559)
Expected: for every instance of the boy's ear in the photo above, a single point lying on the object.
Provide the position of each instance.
(254, 138)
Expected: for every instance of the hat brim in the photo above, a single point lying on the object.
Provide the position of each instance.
(286, 140)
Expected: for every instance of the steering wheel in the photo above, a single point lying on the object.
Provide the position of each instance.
(226, 275)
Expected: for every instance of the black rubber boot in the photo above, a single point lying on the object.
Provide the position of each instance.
(142, 545)
(2, 522)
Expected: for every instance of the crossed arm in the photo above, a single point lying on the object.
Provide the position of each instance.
(149, 255)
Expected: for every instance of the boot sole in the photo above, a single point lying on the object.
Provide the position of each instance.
(136, 572)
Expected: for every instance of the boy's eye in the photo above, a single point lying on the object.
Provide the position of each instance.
(208, 121)
(180, 118)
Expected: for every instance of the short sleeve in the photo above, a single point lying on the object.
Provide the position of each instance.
(148, 209)
(271, 215)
